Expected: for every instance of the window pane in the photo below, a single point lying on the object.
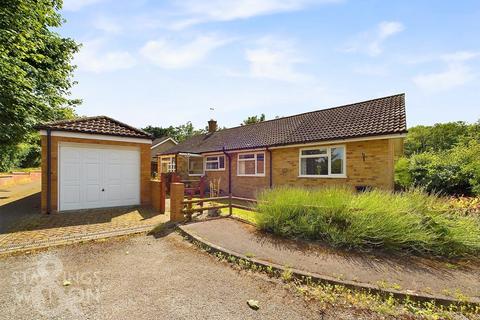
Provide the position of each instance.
(260, 164)
(212, 165)
(246, 167)
(247, 156)
(164, 167)
(195, 165)
(338, 156)
(313, 152)
(212, 158)
(222, 162)
(315, 166)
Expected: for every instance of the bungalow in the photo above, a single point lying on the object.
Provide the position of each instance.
(354, 145)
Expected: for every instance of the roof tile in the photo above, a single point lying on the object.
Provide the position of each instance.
(97, 125)
(368, 118)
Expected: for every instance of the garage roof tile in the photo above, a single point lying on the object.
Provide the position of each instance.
(97, 125)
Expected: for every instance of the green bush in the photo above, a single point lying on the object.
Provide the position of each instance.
(411, 221)
(456, 171)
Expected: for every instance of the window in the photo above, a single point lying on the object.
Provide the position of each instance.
(195, 166)
(213, 163)
(322, 162)
(167, 164)
(251, 164)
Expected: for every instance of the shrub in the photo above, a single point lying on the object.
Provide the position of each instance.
(454, 172)
(410, 221)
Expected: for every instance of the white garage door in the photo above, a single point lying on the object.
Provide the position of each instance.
(98, 176)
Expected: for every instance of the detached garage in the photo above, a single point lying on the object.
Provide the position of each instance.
(94, 162)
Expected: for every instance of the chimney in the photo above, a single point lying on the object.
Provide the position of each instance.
(212, 126)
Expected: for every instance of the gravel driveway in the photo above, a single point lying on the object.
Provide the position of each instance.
(140, 278)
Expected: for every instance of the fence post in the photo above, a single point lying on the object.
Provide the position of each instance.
(163, 192)
(230, 209)
(177, 190)
(189, 208)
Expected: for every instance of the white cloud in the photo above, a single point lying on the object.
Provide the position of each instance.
(275, 60)
(107, 25)
(457, 73)
(170, 55)
(371, 42)
(92, 59)
(75, 5)
(460, 56)
(199, 11)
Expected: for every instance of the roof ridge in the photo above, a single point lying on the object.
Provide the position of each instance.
(320, 110)
(81, 118)
(126, 125)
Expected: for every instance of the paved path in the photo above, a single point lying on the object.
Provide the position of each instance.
(403, 273)
(144, 278)
(22, 226)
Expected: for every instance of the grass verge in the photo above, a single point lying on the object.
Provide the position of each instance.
(411, 221)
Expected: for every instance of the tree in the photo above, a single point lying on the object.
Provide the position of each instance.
(439, 137)
(253, 119)
(180, 133)
(35, 68)
(159, 132)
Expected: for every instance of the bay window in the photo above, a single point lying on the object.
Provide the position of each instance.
(323, 162)
(251, 164)
(215, 163)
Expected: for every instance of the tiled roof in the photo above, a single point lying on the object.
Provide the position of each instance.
(97, 125)
(368, 118)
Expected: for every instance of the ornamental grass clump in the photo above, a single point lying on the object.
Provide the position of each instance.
(411, 221)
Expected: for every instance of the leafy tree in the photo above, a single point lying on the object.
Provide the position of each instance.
(159, 132)
(35, 70)
(253, 119)
(439, 137)
(180, 133)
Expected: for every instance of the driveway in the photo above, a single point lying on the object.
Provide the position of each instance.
(142, 278)
(22, 226)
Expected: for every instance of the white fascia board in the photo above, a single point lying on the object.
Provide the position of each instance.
(158, 144)
(80, 135)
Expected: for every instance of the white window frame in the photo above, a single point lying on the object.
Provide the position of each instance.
(218, 156)
(170, 160)
(329, 156)
(256, 165)
(195, 174)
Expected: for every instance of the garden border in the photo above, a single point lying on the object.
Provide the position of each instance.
(303, 275)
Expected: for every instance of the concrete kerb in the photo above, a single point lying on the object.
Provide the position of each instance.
(317, 278)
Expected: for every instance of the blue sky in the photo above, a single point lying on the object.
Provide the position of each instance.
(165, 63)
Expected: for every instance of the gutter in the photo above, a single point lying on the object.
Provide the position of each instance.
(49, 170)
(229, 170)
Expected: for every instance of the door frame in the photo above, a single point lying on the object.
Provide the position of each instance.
(97, 146)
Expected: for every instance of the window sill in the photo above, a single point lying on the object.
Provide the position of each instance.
(206, 170)
(321, 177)
(250, 175)
(195, 175)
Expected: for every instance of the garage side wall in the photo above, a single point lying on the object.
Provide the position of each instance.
(145, 167)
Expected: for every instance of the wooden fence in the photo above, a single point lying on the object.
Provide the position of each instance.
(189, 209)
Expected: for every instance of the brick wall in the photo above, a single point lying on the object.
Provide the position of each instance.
(376, 171)
(144, 167)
